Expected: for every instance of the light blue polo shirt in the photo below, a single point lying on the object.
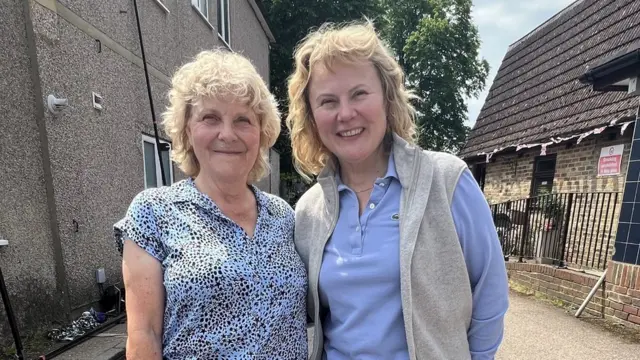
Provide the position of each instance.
(359, 284)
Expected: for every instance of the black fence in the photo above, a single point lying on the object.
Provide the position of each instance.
(564, 229)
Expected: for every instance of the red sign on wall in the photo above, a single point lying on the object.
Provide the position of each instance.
(610, 160)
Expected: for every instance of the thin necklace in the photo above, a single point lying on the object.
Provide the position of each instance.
(361, 191)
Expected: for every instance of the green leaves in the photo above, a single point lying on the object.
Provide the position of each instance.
(290, 21)
(435, 42)
(439, 53)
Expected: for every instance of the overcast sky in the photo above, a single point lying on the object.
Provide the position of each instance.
(501, 23)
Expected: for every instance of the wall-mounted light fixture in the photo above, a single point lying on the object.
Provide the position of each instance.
(56, 105)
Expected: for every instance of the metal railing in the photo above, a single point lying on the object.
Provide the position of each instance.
(563, 228)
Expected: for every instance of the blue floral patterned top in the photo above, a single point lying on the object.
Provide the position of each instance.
(228, 296)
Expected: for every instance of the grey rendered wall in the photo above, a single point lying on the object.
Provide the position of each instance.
(96, 157)
(28, 262)
(248, 37)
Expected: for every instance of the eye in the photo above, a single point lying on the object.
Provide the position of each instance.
(243, 119)
(326, 101)
(359, 93)
(211, 118)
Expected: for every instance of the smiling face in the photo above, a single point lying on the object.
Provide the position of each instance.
(347, 104)
(225, 137)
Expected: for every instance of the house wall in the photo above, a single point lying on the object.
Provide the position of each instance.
(27, 263)
(509, 176)
(95, 157)
(592, 223)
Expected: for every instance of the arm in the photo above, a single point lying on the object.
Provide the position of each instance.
(485, 264)
(138, 239)
(142, 275)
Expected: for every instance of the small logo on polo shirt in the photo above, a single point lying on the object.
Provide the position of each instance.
(395, 217)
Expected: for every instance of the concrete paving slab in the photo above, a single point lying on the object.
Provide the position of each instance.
(103, 346)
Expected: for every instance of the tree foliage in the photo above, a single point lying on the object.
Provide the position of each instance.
(437, 45)
(290, 21)
(435, 42)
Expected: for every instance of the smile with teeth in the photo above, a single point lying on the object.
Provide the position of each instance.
(350, 133)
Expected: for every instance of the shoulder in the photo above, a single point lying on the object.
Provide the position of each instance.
(157, 197)
(447, 168)
(444, 162)
(310, 199)
(277, 206)
(149, 199)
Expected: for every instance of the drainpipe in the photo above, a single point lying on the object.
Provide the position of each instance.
(159, 146)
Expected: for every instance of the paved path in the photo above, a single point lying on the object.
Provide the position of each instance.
(538, 330)
(104, 346)
(533, 330)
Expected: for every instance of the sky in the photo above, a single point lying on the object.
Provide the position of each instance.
(501, 23)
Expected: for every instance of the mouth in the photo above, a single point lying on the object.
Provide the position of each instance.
(351, 133)
(226, 152)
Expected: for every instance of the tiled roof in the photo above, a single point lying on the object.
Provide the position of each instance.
(536, 94)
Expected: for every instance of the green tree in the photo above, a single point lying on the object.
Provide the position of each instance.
(290, 21)
(437, 45)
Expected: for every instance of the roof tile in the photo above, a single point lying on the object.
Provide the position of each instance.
(536, 94)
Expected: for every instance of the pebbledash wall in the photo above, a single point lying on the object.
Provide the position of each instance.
(65, 179)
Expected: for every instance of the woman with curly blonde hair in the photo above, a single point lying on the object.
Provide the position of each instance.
(402, 255)
(209, 265)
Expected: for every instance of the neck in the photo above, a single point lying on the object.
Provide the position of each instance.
(223, 192)
(361, 176)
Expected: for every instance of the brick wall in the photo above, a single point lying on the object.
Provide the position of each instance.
(618, 300)
(509, 176)
(592, 229)
(623, 292)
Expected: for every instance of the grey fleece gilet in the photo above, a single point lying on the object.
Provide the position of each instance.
(435, 286)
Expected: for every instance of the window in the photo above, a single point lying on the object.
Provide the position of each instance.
(152, 174)
(480, 174)
(544, 169)
(203, 8)
(223, 21)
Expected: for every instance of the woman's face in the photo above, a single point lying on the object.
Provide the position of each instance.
(347, 103)
(225, 137)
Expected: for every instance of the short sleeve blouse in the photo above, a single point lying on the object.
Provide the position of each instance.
(228, 296)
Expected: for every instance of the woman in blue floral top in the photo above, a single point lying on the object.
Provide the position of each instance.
(209, 264)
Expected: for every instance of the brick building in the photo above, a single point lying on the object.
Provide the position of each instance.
(67, 177)
(542, 130)
(560, 118)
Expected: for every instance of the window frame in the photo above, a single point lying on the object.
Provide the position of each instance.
(203, 13)
(540, 175)
(162, 5)
(479, 171)
(224, 22)
(152, 140)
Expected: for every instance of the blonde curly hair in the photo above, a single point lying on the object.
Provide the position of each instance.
(345, 43)
(219, 74)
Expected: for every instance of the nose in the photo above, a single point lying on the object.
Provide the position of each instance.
(227, 132)
(346, 111)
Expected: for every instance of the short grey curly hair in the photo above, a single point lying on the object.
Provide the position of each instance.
(219, 74)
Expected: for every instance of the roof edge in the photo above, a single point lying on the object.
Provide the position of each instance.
(544, 24)
(258, 9)
(623, 121)
(615, 69)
